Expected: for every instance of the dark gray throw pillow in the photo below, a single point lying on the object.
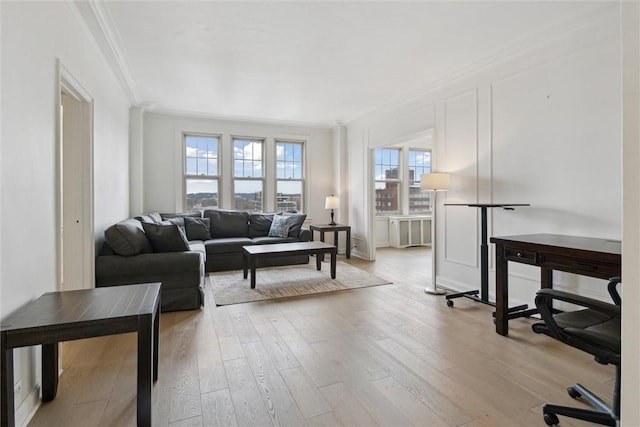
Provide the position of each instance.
(166, 237)
(127, 238)
(197, 228)
(295, 223)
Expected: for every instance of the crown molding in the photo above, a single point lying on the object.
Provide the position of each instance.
(239, 119)
(98, 22)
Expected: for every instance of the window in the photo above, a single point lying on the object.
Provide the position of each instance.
(248, 172)
(201, 173)
(289, 176)
(419, 163)
(387, 180)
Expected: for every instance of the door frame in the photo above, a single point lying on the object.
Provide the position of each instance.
(69, 85)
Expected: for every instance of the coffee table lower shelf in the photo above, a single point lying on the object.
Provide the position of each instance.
(251, 254)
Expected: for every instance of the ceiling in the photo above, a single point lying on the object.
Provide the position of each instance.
(310, 62)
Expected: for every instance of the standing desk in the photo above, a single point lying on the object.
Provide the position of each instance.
(600, 258)
(484, 255)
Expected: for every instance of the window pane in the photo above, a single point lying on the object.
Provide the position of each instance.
(419, 201)
(201, 155)
(201, 194)
(289, 164)
(248, 155)
(387, 197)
(248, 195)
(289, 195)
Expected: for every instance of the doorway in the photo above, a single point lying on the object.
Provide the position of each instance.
(75, 252)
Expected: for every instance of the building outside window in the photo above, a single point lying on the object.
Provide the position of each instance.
(290, 183)
(388, 180)
(201, 172)
(419, 163)
(248, 172)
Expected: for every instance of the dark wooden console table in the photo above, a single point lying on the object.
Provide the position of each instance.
(324, 228)
(600, 258)
(484, 253)
(72, 315)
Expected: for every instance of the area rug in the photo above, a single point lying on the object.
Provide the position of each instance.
(288, 281)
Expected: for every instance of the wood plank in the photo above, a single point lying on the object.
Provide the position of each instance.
(245, 394)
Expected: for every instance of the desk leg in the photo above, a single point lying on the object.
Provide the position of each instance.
(484, 258)
(502, 292)
(546, 278)
(334, 253)
(6, 391)
(49, 371)
(145, 361)
(349, 242)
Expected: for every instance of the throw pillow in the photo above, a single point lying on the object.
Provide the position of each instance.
(197, 228)
(155, 216)
(295, 223)
(127, 238)
(166, 237)
(279, 226)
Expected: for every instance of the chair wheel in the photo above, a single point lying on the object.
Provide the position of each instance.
(573, 392)
(551, 419)
(449, 303)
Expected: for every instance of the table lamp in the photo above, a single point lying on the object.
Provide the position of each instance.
(434, 182)
(332, 202)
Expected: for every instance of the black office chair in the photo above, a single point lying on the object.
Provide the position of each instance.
(594, 329)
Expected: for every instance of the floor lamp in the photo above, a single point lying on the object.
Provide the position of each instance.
(434, 182)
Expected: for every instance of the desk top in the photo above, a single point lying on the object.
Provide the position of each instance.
(55, 309)
(562, 242)
(487, 205)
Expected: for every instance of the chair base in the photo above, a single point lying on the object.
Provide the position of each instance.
(603, 413)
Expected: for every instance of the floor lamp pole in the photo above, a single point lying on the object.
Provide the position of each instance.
(434, 289)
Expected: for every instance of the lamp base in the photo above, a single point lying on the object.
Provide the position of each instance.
(332, 221)
(431, 291)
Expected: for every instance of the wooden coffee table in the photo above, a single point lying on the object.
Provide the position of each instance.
(250, 254)
(72, 315)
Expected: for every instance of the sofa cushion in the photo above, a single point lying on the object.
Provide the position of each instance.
(295, 223)
(145, 218)
(197, 228)
(166, 216)
(259, 224)
(127, 238)
(227, 245)
(179, 221)
(227, 223)
(166, 237)
(279, 226)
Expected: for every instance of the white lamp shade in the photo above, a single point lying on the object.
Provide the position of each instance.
(331, 202)
(435, 181)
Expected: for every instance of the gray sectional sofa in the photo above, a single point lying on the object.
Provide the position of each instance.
(179, 249)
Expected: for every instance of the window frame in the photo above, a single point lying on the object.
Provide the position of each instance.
(399, 181)
(302, 179)
(186, 176)
(417, 179)
(261, 179)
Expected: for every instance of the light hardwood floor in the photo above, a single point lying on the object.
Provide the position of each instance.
(388, 355)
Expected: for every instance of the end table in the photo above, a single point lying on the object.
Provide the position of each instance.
(324, 228)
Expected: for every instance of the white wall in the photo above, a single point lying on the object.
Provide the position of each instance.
(34, 35)
(162, 159)
(540, 127)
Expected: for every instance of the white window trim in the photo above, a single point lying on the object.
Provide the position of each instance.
(303, 199)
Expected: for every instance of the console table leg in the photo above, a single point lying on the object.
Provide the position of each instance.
(502, 292)
(49, 371)
(145, 374)
(6, 391)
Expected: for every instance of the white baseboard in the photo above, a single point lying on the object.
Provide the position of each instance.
(28, 407)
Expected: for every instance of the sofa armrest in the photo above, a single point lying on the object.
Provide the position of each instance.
(305, 235)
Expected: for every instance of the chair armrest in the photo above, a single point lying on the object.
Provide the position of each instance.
(612, 287)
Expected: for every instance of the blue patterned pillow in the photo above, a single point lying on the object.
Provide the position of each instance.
(279, 226)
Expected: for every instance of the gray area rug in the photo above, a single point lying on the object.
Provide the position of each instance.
(289, 281)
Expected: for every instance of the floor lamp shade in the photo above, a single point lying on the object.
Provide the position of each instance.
(434, 182)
